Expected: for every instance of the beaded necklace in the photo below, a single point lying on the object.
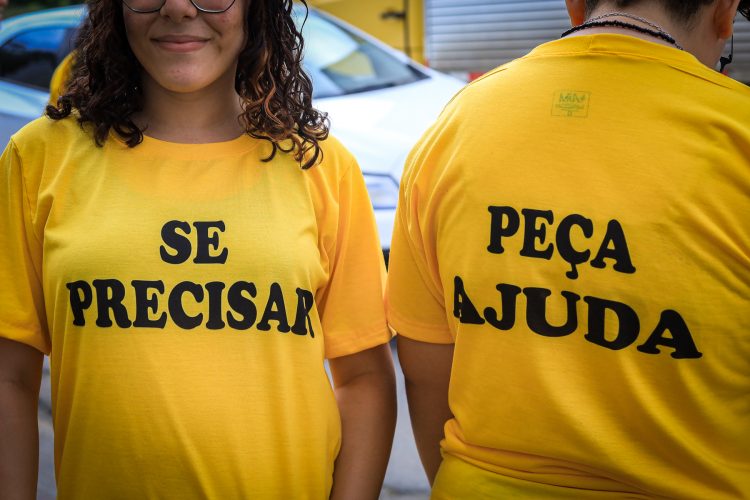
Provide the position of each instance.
(600, 21)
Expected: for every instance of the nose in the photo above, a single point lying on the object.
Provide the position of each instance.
(178, 10)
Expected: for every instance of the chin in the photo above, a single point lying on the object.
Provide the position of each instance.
(184, 88)
(183, 85)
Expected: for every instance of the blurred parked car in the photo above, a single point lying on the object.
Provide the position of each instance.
(379, 101)
(30, 49)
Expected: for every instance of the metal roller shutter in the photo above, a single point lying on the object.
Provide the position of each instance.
(471, 36)
(478, 35)
(740, 67)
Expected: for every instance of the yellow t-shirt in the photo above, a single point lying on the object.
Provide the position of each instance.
(578, 223)
(188, 295)
(60, 78)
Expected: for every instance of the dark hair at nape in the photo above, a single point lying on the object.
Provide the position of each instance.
(744, 8)
(105, 86)
(682, 10)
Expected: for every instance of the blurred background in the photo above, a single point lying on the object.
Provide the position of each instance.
(23, 6)
(462, 37)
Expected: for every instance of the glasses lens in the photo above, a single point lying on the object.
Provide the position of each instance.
(213, 5)
(144, 5)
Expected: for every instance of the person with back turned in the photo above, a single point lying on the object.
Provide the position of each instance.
(570, 267)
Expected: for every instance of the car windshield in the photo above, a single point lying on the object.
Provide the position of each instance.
(340, 62)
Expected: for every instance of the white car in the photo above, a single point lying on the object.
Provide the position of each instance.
(379, 101)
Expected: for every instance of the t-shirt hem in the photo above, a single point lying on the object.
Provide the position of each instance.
(361, 340)
(434, 334)
(22, 336)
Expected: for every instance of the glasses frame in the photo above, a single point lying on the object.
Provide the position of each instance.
(199, 8)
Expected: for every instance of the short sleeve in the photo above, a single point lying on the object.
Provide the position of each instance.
(352, 312)
(22, 313)
(414, 295)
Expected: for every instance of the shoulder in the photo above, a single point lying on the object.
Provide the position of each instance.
(336, 152)
(733, 93)
(335, 162)
(44, 146)
(472, 99)
(478, 92)
(45, 134)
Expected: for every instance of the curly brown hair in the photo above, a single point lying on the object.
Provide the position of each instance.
(105, 85)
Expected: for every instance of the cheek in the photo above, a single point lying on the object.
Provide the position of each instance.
(128, 21)
(132, 31)
(232, 43)
(232, 28)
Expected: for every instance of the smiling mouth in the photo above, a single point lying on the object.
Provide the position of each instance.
(180, 43)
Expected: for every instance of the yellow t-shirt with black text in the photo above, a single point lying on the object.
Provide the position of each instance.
(578, 224)
(188, 295)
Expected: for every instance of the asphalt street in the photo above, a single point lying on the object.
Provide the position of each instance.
(405, 479)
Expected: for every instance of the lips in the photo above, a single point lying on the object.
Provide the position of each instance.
(180, 43)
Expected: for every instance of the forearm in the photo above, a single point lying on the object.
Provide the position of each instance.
(429, 411)
(20, 377)
(19, 442)
(367, 405)
(427, 371)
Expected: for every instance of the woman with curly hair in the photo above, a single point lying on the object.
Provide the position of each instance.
(188, 245)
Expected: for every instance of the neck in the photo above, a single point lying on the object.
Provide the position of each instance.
(203, 116)
(692, 38)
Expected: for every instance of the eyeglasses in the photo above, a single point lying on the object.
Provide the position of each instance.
(207, 6)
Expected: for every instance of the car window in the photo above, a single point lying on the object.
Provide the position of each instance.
(32, 56)
(340, 62)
